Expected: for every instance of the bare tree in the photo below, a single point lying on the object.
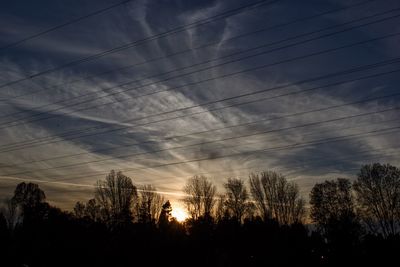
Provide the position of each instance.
(150, 204)
(79, 210)
(220, 211)
(378, 197)
(93, 210)
(29, 199)
(28, 195)
(332, 209)
(90, 210)
(259, 195)
(116, 196)
(236, 199)
(276, 198)
(200, 198)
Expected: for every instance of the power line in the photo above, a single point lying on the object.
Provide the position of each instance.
(263, 120)
(174, 118)
(178, 29)
(254, 168)
(17, 122)
(33, 144)
(212, 141)
(30, 144)
(257, 168)
(231, 74)
(306, 135)
(276, 148)
(297, 145)
(376, 156)
(163, 192)
(369, 150)
(59, 26)
(296, 21)
(324, 159)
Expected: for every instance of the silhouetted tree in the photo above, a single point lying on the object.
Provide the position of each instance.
(90, 210)
(330, 201)
(259, 193)
(79, 210)
(165, 214)
(378, 197)
(93, 210)
(116, 196)
(276, 198)
(221, 212)
(28, 195)
(275, 240)
(150, 204)
(30, 200)
(237, 199)
(200, 197)
(332, 209)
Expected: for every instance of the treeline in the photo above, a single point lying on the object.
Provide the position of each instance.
(263, 221)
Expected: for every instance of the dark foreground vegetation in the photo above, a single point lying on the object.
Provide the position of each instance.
(264, 222)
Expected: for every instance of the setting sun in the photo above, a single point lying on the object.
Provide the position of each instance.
(179, 213)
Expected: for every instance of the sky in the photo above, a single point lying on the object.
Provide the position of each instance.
(164, 90)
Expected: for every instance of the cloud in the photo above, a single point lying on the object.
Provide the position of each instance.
(305, 165)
